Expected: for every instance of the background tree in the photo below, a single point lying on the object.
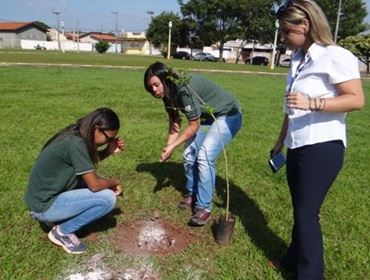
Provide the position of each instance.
(189, 37)
(352, 17)
(217, 20)
(257, 22)
(102, 46)
(360, 47)
(157, 32)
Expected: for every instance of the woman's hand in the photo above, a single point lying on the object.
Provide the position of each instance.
(297, 100)
(116, 146)
(117, 190)
(166, 153)
(276, 149)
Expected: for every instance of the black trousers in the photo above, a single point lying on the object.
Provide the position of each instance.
(311, 170)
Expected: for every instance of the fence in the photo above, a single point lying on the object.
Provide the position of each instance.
(65, 46)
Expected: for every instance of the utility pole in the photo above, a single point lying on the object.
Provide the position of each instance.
(116, 13)
(57, 13)
(78, 36)
(62, 43)
(169, 40)
(272, 65)
(337, 24)
(150, 13)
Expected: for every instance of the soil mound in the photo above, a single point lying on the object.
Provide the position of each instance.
(152, 237)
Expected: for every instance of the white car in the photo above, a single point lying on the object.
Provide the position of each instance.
(285, 62)
(204, 57)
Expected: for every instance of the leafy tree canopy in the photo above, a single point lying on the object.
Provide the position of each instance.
(217, 21)
(157, 32)
(360, 47)
(351, 21)
(258, 20)
(102, 46)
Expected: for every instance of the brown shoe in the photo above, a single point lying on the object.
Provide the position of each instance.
(200, 218)
(187, 202)
(274, 264)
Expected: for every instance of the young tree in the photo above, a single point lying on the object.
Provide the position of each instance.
(157, 32)
(360, 47)
(217, 20)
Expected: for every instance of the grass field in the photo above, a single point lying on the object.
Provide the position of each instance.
(37, 101)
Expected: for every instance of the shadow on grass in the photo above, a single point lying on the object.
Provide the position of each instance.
(241, 206)
(166, 174)
(253, 220)
(102, 224)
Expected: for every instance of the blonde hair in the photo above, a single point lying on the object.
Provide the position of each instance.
(293, 12)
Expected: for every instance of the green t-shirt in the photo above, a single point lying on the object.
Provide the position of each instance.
(215, 97)
(56, 170)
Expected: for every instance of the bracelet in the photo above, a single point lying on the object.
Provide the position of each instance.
(324, 104)
(321, 104)
(310, 103)
(316, 106)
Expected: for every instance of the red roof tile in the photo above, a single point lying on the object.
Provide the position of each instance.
(104, 37)
(12, 25)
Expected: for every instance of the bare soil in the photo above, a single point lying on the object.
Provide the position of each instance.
(154, 236)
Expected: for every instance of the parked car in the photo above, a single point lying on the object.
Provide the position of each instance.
(285, 62)
(181, 55)
(204, 57)
(258, 60)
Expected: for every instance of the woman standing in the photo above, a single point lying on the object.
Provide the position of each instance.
(203, 136)
(323, 84)
(64, 189)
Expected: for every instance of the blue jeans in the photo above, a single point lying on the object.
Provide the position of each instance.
(200, 154)
(76, 208)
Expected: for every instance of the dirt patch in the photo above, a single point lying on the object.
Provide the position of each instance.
(155, 236)
(96, 269)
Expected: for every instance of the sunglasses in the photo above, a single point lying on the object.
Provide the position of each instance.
(109, 138)
(288, 4)
(285, 6)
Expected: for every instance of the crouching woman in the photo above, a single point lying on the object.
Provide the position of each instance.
(64, 189)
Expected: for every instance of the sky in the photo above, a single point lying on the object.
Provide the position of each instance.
(92, 15)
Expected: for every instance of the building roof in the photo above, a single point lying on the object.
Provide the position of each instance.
(104, 37)
(14, 25)
(134, 39)
(101, 36)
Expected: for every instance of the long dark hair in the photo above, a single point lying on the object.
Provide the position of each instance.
(165, 75)
(102, 118)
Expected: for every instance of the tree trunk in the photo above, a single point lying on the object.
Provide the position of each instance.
(239, 51)
(221, 49)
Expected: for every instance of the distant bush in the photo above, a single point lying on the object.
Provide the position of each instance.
(102, 47)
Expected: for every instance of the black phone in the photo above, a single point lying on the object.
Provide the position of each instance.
(277, 162)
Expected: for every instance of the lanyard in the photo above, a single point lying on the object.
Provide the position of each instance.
(300, 68)
(289, 87)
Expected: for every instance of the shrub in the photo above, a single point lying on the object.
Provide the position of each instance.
(102, 47)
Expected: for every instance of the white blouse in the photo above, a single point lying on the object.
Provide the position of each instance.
(322, 69)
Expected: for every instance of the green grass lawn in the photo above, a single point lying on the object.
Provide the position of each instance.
(88, 58)
(36, 102)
